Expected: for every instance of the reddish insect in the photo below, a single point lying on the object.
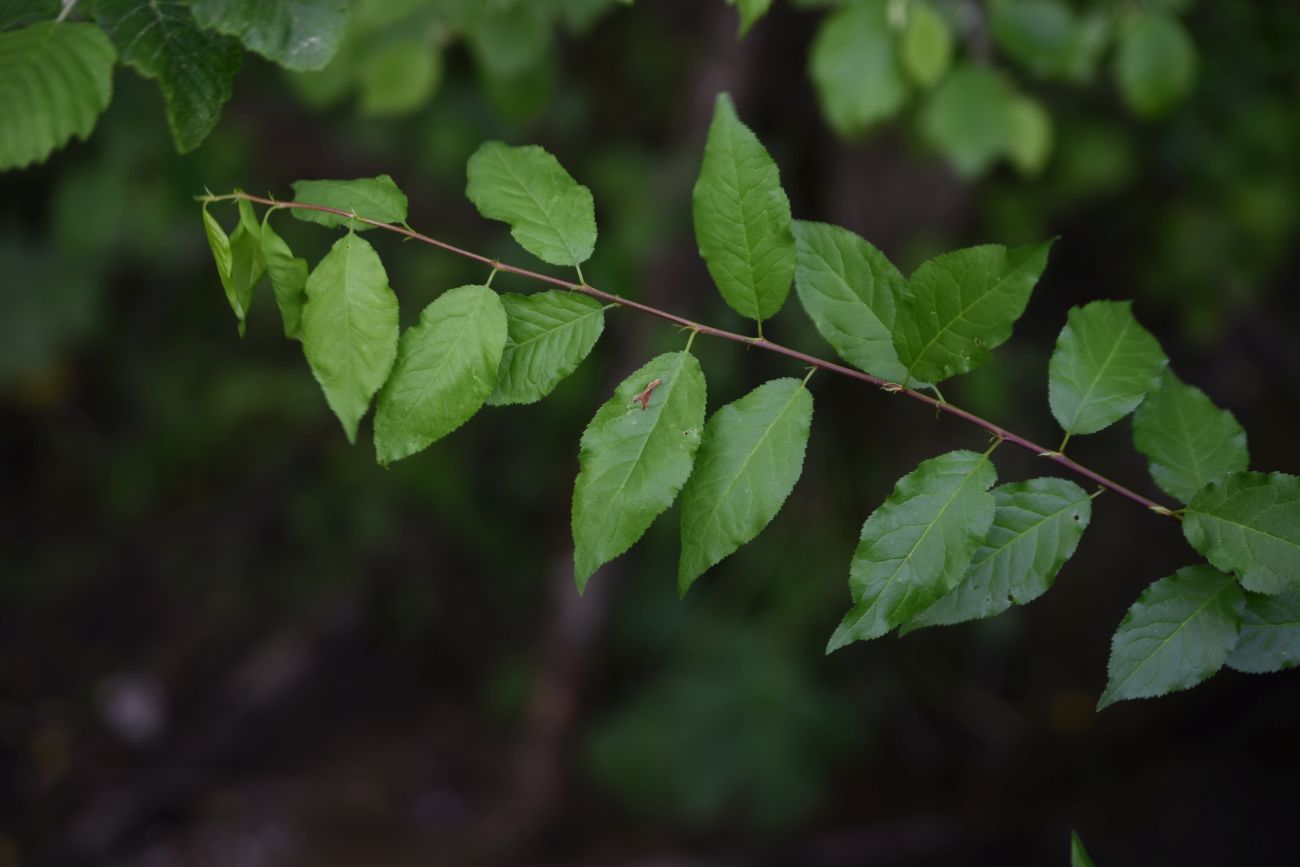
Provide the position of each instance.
(644, 397)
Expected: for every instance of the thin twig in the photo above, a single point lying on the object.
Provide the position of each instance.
(1001, 433)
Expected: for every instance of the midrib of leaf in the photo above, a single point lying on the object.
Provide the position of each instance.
(1110, 356)
(993, 552)
(553, 331)
(437, 368)
(961, 314)
(546, 217)
(921, 538)
(1180, 626)
(751, 284)
(745, 465)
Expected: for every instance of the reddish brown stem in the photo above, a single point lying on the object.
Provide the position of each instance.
(760, 342)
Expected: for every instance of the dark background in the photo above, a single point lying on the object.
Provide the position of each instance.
(228, 638)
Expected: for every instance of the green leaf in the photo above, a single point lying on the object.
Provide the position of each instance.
(194, 68)
(855, 69)
(742, 218)
(1155, 64)
(26, 11)
(1078, 855)
(918, 544)
(376, 198)
(851, 292)
(750, 12)
(635, 458)
(288, 278)
(550, 333)
(1189, 441)
(219, 243)
(1036, 528)
(927, 44)
(446, 368)
(399, 77)
(1103, 366)
(55, 81)
(1249, 523)
(1046, 37)
(750, 458)
(246, 263)
(960, 306)
(349, 328)
(969, 119)
(297, 34)
(1178, 633)
(1270, 634)
(510, 39)
(1030, 143)
(550, 214)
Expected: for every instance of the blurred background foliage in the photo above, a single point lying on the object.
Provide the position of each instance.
(228, 637)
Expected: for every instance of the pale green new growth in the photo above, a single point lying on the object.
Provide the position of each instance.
(855, 68)
(750, 12)
(1155, 63)
(1178, 633)
(1270, 634)
(851, 292)
(550, 333)
(1104, 364)
(742, 218)
(349, 328)
(195, 68)
(1078, 855)
(918, 544)
(1249, 523)
(1036, 528)
(927, 44)
(959, 306)
(288, 278)
(1189, 441)
(635, 455)
(238, 258)
(55, 81)
(297, 34)
(750, 458)
(550, 214)
(376, 198)
(446, 367)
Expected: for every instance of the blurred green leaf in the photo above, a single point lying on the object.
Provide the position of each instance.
(1030, 142)
(1155, 64)
(853, 64)
(399, 77)
(750, 12)
(927, 44)
(970, 119)
(1048, 38)
(57, 80)
(1078, 855)
(298, 34)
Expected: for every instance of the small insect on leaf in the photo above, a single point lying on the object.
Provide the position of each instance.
(644, 397)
